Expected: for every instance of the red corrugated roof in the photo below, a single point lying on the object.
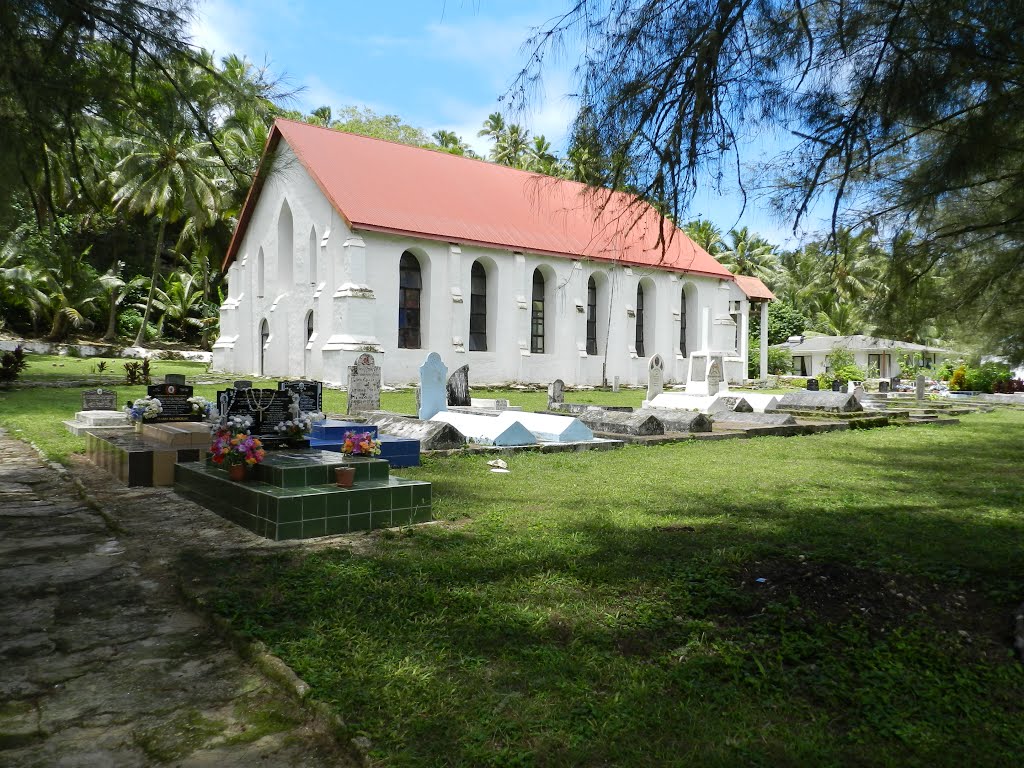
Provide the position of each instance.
(383, 186)
(754, 288)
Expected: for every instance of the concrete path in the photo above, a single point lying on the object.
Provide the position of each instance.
(101, 661)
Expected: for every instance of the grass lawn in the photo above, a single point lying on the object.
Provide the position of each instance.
(837, 599)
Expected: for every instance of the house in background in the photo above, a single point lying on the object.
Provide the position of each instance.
(879, 357)
(351, 244)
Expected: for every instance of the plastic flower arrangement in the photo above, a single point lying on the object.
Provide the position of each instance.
(202, 406)
(299, 426)
(143, 409)
(230, 448)
(360, 444)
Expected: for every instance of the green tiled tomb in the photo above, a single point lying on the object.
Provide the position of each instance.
(292, 495)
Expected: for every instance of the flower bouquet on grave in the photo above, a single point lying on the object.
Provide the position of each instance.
(296, 429)
(360, 444)
(202, 406)
(143, 409)
(235, 451)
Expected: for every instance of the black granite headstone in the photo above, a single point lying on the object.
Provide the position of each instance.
(99, 400)
(174, 402)
(812, 385)
(266, 407)
(837, 385)
(311, 394)
(458, 387)
(883, 386)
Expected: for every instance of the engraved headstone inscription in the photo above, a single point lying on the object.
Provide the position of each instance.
(174, 402)
(311, 394)
(99, 400)
(363, 385)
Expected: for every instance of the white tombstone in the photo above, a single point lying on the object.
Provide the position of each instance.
(705, 375)
(655, 377)
(683, 401)
(549, 428)
(363, 385)
(486, 430)
(433, 386)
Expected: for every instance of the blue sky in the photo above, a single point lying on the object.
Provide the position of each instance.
(434, 63)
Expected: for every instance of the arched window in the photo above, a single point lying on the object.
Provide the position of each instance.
(264, 338)
(285, 247)
(640, 321)
(537, 314)
(682, 322)
(591, 316)
(260, 264)
(312, 256)
(410, 288)
(309, 325)
(477, 308)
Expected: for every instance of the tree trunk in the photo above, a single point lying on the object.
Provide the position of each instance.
(141, 337)
(111, 333)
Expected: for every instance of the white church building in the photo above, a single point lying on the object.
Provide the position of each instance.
(348, 244)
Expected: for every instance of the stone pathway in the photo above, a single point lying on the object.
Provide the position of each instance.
(101, 661)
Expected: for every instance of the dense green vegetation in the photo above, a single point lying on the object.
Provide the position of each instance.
(827, 600)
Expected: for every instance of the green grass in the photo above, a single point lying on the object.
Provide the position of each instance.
(603, 608)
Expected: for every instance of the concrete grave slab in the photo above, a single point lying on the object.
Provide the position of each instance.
(433, 435)
(835, 402)
(756, 419)
(617, 423)
(677, 420)
(487, 430)
(550, 428)
(761, 403)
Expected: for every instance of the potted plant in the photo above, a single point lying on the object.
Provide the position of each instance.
(355, 444)
(236, 451)
(142, 410)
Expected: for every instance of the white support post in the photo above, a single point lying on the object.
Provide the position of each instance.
(764, 341)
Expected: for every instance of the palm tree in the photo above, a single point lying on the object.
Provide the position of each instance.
(180, 303)
(511, 146)
(841, 319)
(750, 255)
(494, 127)
(705, 234)
(64, 291)
(450, 142)
(539, 157)
(116, 291)
(170, 176)
(855, 262)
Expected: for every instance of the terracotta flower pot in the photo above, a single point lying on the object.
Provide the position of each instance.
(236, 472)
(345, 476)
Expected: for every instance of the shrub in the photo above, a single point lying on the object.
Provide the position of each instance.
(128, 323)
(985, 377)
(780, 361)
(12, 364)
(137, 372)
(959, 378)
(841, 365)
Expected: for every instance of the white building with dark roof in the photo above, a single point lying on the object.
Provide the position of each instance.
(880, 358)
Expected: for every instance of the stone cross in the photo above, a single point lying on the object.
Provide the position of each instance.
(458, 387)
(556, 394)
(655, 377)
(433, 389)
(363, 385)
(714, 376)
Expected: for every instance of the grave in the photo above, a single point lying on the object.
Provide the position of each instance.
(729, 403)
(311, 394)
(433, 386)
(487, 430)
(812, 385)
(493, 404)
(678, 420)
(329, 435)
(135, 460)
(618, 423)
(919, 388)
(761, 403)
(293, 495)
(756, 419)
(363, 385)
(549, 428)
(655, 378)
(834, 402)
(99, 414)
(556, 394)
(266, 407)
(457, 389)
(705, 374)
(431, 435)
(173, 395)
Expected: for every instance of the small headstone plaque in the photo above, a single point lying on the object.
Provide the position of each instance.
(837, 385)
(363, 385)
(714, 377)
(174, 402)
(243, 384)
(812, 385)
(883, 386)
(655, 377)
(311, 394)
(556, 394)
(615, 384)
(99, 400)
(458, 387)
(433, 391)
(174, 378)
